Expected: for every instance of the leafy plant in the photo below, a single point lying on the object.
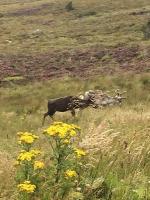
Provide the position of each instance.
(67, 174)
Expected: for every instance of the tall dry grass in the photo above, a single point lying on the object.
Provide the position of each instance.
(118, 137)
(7, 172)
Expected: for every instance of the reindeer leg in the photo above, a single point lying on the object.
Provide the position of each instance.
(73, 112)
(52, 117)
(45, 115)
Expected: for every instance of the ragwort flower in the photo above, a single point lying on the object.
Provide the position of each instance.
(28, 155)
(66, 141)
(79, 152)
(38, 165)
(27, 138)
(62, 130)
(26, 187)
(70, 173)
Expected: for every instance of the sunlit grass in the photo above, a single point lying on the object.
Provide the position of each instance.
(123, 152)
(117, 136)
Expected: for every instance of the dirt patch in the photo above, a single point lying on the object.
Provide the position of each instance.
(79, 63)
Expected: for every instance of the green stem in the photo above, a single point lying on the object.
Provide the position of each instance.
(58, 166)
(54, 151)
(59, 159)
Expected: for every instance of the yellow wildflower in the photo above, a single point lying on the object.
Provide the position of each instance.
(26, 187)
(52, 131)
(26, 137)
(66, 141)
(72, 133)
(79, 152)
(35, 152)
(28, 155)
(62, 130)
(38, 165)
(70, 173)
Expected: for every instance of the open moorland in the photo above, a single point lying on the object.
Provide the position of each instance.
(48, 51)
(42, 40)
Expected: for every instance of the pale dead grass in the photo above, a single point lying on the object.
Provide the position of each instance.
(99, 138)
(123, 151)
(6, 176)
(129, 136)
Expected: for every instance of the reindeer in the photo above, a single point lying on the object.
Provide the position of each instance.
(91, 98)
(68, 103)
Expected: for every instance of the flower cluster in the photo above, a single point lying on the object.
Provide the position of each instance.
(28, 155)
(26, 186)
(61, 169)
(62, 130)
(70, 173)
(27, 164)
(26, 138)
(79, 152)
(38, 165)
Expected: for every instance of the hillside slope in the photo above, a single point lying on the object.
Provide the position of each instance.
(41, 39)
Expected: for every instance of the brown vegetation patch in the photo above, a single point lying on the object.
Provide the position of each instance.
(124, 54)
(77, 63)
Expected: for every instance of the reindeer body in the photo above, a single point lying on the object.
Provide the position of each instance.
(90, 98)
(64, 104)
